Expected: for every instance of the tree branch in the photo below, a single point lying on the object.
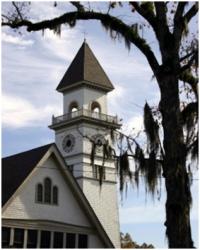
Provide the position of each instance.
(145, 13)
(161, 14)
(79, 6)
(162, 32)
(180, 21)
(189, 64)
(191, 12)
(6, 17)
(17, 9)
(179, 11)
(187, 56)
(107, 21)
(186, 76)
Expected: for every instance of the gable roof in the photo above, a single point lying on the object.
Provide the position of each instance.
(85, 68)
(16, 168)
(30, 159)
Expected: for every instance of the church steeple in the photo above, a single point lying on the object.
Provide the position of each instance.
(85, 118)
(85, 69)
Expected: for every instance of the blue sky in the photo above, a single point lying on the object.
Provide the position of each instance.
(33, 65)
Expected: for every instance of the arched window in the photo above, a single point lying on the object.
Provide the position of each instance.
(55, 195)
(95, 107)
(73, 107)
(46, 193)
(96, 110)
(47, 190)
(39, 193)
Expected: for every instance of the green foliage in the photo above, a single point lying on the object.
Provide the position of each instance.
(127, 242)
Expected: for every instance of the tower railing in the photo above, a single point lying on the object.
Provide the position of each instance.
(84, 113)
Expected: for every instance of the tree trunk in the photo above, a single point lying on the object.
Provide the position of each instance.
(178, 202)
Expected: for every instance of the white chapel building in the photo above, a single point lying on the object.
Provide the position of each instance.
(51, 195)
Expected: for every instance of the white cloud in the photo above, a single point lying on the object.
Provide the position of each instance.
(17, 40)
(18, 112)
(64, 46)
(136, 123)
(113, 98)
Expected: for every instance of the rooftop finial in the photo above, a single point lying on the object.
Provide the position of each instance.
(84, 33)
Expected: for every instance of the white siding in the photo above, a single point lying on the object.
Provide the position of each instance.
(94, 242)
(104, 202)
(76, 95)
(24, 206)
(84, 96)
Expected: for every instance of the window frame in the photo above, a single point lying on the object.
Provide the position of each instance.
(95, 105)
(51, 193)
(47, 190)
(54, 187)
(36, 193)
(73, 105)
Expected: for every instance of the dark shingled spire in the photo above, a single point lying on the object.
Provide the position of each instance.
(86, 69)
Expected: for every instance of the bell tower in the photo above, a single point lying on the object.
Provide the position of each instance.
(84, 87)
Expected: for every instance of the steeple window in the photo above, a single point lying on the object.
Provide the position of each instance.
(73, 107)
(95, 107)
(96, 110)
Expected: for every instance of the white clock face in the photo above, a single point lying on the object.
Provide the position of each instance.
(68, 143)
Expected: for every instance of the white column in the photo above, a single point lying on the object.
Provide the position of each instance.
(38, 238)
(25, 238)
(11, 237)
